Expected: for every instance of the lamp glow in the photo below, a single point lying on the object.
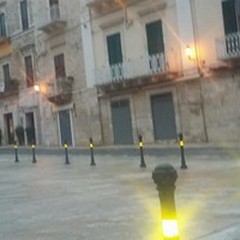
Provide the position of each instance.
(190, 53)
(37, 88)
(170, 228)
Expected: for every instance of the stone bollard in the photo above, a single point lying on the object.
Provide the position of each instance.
(165, 176)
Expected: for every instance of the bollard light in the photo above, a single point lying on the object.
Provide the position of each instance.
(34, 160)
(16, 152)
(140, 143)
(181, 145)
(91, 152)
(66, 152)
(165, 176)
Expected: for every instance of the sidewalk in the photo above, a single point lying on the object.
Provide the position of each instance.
(117, 199)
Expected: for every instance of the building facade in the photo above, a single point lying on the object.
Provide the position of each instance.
(165, 67)
(115, 69)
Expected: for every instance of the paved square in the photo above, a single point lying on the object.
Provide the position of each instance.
(116, 199)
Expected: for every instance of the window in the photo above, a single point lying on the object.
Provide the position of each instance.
(59, 66)
(115, 56)
(154, 37)
(6, 76)
(114, 48)
(29, 71)
(24, 14)
(3, 32)
(54, 9)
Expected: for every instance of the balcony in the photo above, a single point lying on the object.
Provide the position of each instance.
(54, 20)
(153, 68)
(9, 88)
(60, 91)
(228, 47)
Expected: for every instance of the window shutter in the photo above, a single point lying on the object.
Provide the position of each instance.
(229, 16)
(114, 49)
(155, 37)
(24, 14)
(2, 25)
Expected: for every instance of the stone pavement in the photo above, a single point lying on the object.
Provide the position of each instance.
(117, 199)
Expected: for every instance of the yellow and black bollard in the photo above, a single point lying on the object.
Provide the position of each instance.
(66, 153)
(34, 160)
(165, 176)
(91, 152)
(181, 145)
(16, 152)
(140, 143)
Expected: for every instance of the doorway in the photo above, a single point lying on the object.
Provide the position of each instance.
(121, 122)
(163, 114)
(9, 128)
(65, 127)
(30, 128)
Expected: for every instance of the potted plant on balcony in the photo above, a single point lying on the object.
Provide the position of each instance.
(20, 134)
(30, 134)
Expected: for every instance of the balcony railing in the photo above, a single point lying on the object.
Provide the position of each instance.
(228, 47)
(60, 90)
(130, 70)
(53, 20)
(10, 87)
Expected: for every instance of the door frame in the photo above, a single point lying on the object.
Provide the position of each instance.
(71, 125)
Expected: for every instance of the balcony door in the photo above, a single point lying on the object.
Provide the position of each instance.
(54, 9)
(155, 46)
(3, 32)
(60, 71)
(6, 77)
(115, 56)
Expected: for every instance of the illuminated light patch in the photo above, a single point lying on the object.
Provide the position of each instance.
(170, 228)
(140, 144)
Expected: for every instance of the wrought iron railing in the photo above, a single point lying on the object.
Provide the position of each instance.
(228, 47)
(61, 85)
(55, 13)
(127, 70)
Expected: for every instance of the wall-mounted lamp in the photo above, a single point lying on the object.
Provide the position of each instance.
(190, 53)
(36, 88)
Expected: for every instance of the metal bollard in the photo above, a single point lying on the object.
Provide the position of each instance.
(66, 153)
(140, 143)
(34, 160)
(91, 152)
(181, 145)
(165, 176)
(16, 152)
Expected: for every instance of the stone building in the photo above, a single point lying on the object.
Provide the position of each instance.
(164, 67)
(114, 69)
(43, 83)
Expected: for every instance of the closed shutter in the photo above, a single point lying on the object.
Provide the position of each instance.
(59, 66)
(155, 37)
(229, 17)
(114, 49)
(2, 25)
(24, 14)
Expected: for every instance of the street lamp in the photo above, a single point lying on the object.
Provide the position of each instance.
(165, 176)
